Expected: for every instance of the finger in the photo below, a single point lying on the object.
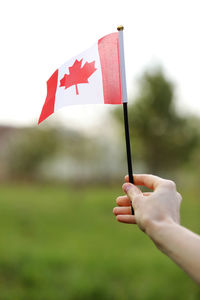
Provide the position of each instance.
(122, 210)
(129, 219)
(123, 201)
(150, 181)
(131, 190)
(179, 197)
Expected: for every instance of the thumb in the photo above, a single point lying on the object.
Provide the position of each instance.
(131, 190)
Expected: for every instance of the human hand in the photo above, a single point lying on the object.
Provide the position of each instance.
(161, 205)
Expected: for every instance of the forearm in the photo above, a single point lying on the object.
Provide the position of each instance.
(180, 244)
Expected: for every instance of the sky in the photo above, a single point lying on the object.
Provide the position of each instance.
(39, 36)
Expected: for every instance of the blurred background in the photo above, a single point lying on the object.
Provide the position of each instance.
(58, 181)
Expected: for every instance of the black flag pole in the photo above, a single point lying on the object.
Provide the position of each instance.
(125, 105)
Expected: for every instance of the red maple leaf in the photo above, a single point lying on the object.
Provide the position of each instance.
(77, 74)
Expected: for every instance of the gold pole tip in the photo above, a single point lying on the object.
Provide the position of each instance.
(119, 28)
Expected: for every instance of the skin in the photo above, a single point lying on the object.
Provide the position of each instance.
(157, 213)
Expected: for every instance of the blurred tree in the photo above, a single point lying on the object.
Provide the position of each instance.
(162, 138)
(59, 154)
(28, 149)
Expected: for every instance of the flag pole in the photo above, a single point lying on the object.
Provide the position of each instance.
(125, 105)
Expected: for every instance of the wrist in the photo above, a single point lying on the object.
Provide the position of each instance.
(158, 230)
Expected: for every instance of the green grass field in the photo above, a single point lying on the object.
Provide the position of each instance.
(59, 243)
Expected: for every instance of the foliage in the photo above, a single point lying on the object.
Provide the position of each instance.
(64, 243)
(59, 154)
(28, 148)
(162, 138)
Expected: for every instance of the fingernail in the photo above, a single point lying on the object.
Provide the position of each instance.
(126, 187)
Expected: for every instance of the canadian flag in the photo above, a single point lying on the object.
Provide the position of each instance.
(92, 77)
